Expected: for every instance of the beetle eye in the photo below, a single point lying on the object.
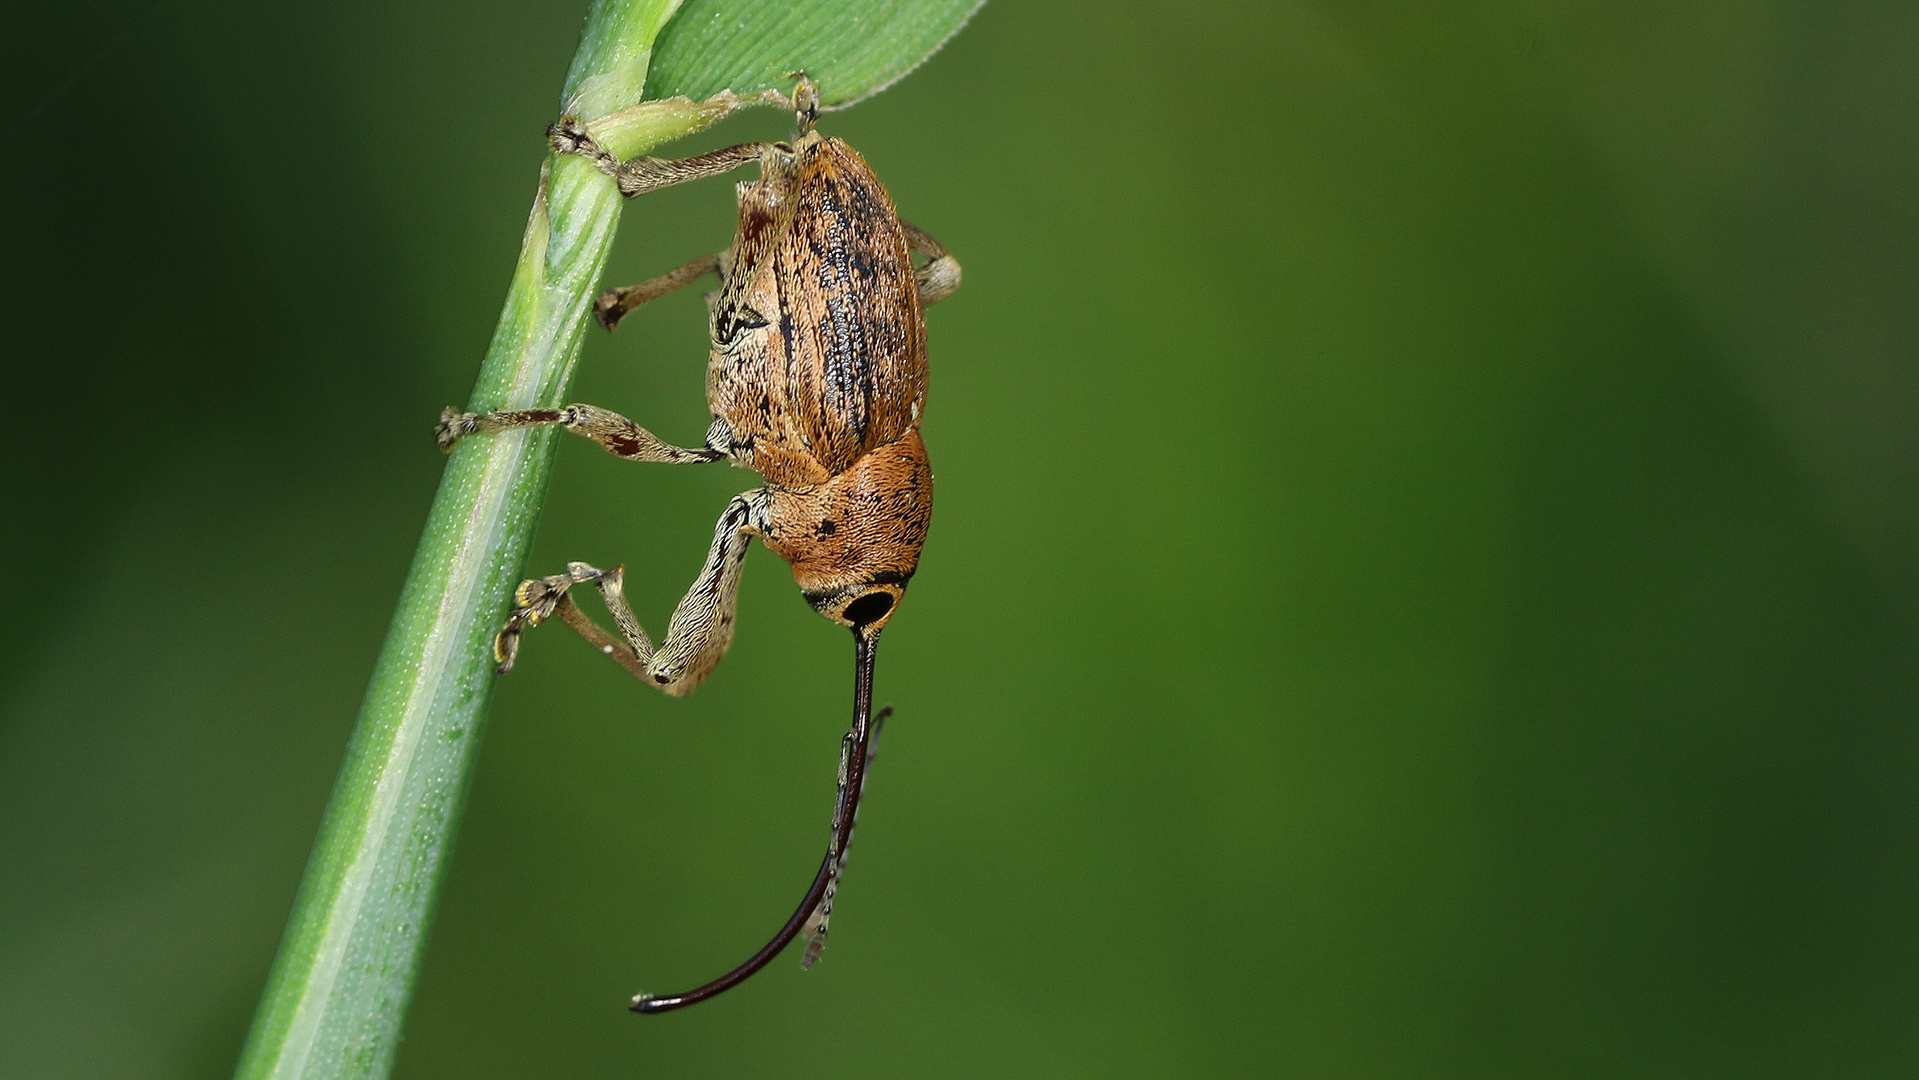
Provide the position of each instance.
(869, 608)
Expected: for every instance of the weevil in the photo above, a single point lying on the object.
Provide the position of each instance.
(816, 380)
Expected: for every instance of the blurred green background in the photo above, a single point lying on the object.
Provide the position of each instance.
(1423, 582)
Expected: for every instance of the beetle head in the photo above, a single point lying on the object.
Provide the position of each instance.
(864, 607)
(855, 540)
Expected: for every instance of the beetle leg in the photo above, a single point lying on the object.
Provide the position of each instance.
(696, 636)
(639, 175)
(940, 277)
(615, 433)
(702, 626)
(615, 304)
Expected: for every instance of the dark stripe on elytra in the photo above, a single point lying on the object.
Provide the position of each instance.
(846, 355)
(787, 332)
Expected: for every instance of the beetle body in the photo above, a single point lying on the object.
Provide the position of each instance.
(816, 380)
(818, 375)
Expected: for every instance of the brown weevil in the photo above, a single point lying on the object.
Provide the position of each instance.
(816, 381)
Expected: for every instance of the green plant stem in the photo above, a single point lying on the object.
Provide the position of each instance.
(338, 991)
(339, 988)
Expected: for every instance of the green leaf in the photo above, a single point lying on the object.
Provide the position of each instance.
(852, 48)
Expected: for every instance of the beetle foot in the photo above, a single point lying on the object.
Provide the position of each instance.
(454, 425)
(568, 136)
(534, 602)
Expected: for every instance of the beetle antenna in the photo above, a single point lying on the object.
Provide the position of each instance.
(856, 750)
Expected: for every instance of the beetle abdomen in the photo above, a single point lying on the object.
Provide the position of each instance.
(838, 366)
